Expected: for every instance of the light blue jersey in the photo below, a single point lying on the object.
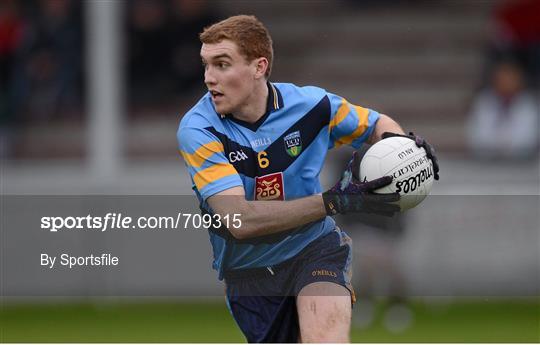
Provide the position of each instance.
(279, 157)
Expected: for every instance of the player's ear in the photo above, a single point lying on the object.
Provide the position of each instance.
(261, 65)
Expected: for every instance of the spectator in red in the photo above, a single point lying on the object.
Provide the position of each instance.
(517, 32)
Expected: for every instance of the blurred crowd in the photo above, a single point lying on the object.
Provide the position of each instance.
(41, 60)
(163, 49)
(504, 119)
(42, 55)
(42, 67)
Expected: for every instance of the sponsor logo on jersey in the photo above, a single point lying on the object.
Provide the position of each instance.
(237, 156)
(293, 143)
(260, 142)
(270, 187)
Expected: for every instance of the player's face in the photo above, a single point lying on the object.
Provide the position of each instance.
(229, 77)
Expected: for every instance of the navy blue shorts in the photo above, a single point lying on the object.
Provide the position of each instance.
(263, 300)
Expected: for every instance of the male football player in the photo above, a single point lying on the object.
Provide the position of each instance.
(256, 148)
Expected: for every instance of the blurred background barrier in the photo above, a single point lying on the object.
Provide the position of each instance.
(92, 92)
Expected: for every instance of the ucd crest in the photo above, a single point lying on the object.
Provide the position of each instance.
(293, 143)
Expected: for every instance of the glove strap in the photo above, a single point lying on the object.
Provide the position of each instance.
(331, 204)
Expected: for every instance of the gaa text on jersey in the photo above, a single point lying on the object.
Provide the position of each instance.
(237, 156)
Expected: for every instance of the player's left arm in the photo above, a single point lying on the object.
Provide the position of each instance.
(353, 125)
(384, 124)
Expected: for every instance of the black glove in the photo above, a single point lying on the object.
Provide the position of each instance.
(351, 195)
(420, 142)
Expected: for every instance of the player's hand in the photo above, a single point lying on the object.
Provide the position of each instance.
(420, 142)
(351, 195)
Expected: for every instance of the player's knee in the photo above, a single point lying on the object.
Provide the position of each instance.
(330, 326)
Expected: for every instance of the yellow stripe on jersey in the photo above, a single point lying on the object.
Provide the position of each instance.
(360, 129)
(341, 114)
(275, 97)
(213, 173)
(197, 158)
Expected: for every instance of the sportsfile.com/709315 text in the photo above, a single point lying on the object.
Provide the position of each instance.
(118, 221)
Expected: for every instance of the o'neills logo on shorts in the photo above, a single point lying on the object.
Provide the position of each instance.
(324, 273)
(270, 187)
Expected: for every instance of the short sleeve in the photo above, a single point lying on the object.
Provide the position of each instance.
(349, 124)
(205, 159)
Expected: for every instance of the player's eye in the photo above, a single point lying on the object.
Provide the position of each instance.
(223, 65)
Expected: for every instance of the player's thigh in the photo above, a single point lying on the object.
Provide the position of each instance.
(324, 313)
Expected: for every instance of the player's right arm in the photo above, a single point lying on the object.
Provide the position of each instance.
(260, 218)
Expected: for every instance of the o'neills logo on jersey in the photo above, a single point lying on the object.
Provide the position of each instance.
(260, 142)
(270, 187)
(293, 143)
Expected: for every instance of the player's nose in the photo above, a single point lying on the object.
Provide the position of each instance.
(209, 78)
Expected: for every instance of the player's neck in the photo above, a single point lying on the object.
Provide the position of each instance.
(255, 106)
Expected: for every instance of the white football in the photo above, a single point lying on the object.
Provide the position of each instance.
(407, 163)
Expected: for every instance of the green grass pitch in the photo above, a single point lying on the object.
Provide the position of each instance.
(463, 321)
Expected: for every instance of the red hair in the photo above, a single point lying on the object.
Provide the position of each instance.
(249, 34)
